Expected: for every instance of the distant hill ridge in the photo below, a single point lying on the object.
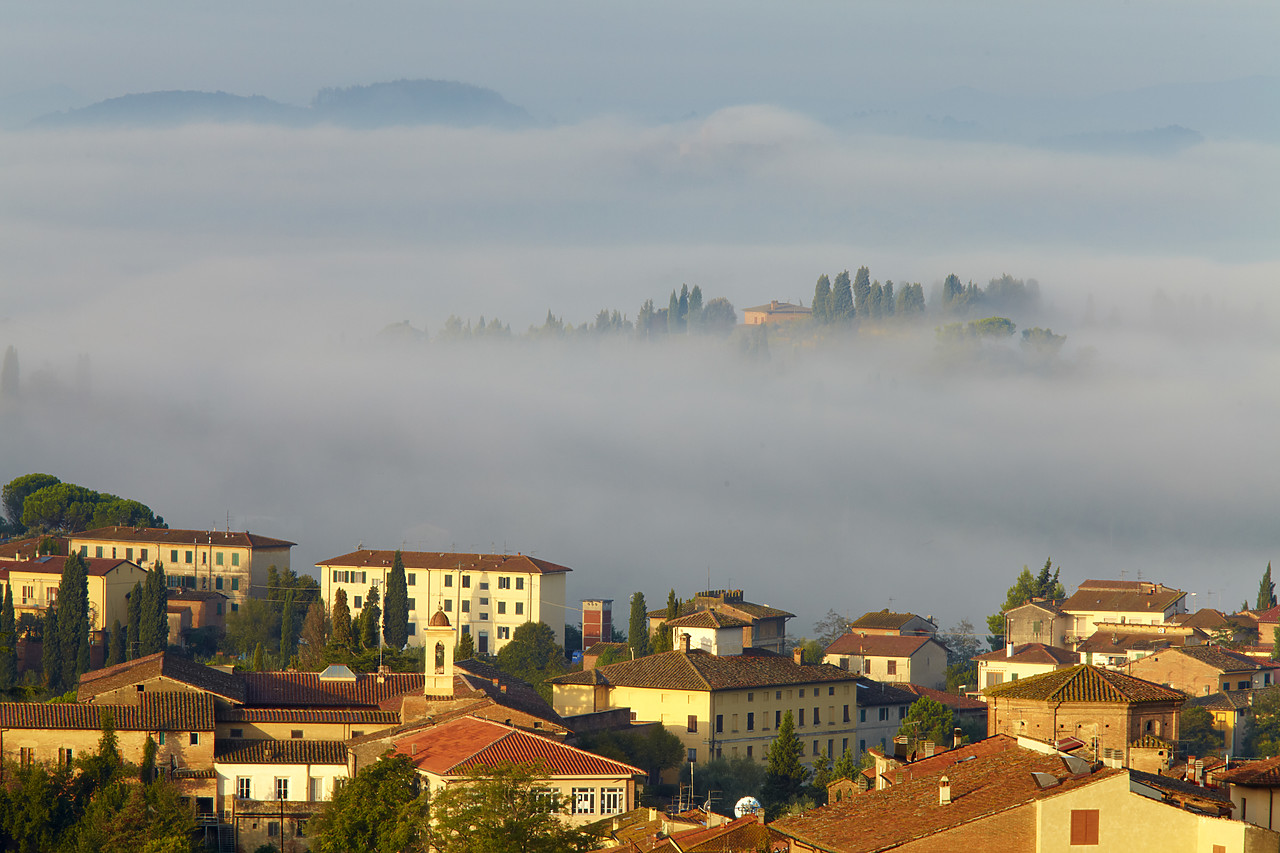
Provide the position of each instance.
(398, 103)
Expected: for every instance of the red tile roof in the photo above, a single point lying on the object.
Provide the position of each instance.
(237, 751)
(161, 665)
(50, 565)
(883, 619)
(708, 619)
(1122, 597)
(168, 536)
(158, 712)
(460, 746)
(307, 689)
(359, 716)
(1033, 653)
(513, 563)
(952, 700)
(699, 670)
(1264, 773)
(1085, 683)
(879, 645)
(25, 549)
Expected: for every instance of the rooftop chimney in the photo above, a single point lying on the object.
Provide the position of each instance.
(797, 654)
(944, 791)
(956, 738)
(685, 641)
(1008, 650)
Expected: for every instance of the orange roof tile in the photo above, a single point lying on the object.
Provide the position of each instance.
(513, 563)
(1085, 683)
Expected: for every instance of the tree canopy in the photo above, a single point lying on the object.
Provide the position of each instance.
(784, 774)
(532, 655)
(382, 809)
(502, 808)
(395, 606)
(929, 719)
(1026, 587)
(42, 502)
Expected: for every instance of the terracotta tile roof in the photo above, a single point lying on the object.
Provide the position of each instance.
(1084, 683)
(699, 670)
(745, 833)
(708, 619)
(981, 786)
(1271, 614)
(1223, 700)
(1122, 597)
(600, 648)
(1264, 773)
(736, 607)
(1223, 660)
(1048, 606)
(159, 712)
(873, 694)
(880, 645)
(480, 678)
(1033, 653)
(186, 594)
(161, 664)
(25, 549)
(307, 689)
(237, 751)
(50, 565)
(1111, 642)
(1182, 791)
(512, 563)
(168, 536)
(359, 716)
(459, 746)
(1205, 618)
(883, 620)
(953, 700)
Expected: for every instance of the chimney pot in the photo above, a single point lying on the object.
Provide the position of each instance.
(797, 654)
(944, 791)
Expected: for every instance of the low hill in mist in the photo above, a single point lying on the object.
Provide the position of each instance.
(403, 102)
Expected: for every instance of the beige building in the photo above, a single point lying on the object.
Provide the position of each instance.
(894, 624)
(891, 657)
(1015, 662)
(232, 563)
(1038, 621)
(723, 706)
(1200, 670)
(485, 595)
(766, 629)
(1122, 602)
(35, 586)
(774, 312)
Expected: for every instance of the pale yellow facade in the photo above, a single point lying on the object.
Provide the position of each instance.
(993, 672)
(588, 798)
(1134, 823)
(737, 723)
(489, 605)
(34, 590)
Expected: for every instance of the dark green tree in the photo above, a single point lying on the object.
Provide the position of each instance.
(341, 638)
(532, 655)
(929, 719)
(694, 318)
(288, 628)
(674, 324)
(673, 605)
(841, 299)
(15, 493)
(1198, 737)
(862, 292)
(134, 616)
(73, 619)
(395, 612)
(314, 638)
(8, 643)
(259, 662)
(719, 317)
(1026, 587)
(115, 649)
(383, 809)
(147, 769)
(821, 309)
(502, 808)
(371, 620)
(466, 649)
(51, 659)
(845, 767)
(638, 626)
(784, 774)
(724, 781)
(153, 614)
(1266, 591)
(1263, 738)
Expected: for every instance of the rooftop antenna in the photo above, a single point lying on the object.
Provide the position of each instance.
(228, 522)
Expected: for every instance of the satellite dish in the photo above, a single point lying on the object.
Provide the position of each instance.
(745, 806)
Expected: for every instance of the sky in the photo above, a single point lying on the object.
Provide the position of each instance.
(229, 284)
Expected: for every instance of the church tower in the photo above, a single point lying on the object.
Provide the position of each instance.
(439, 656)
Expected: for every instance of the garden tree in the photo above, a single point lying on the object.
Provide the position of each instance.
(929, 719)
(910, 300)
(1266, 591)
(638, 626)
(51, 659)
(382, 809)
(15, 492)
(288, 632)
(1025, 588)
(8, 643)
(259, 662)
(1041, 344)
(371, 620)
(573, 637)
(314, 638)
(887, 306)
(845, 767)
(660, 641)
(784, 774)
(841, 300)
(340, 638)
(466, 648)
(1263, 738)
(817, 788)
(153, 614)
(505, 808)
(725, 781)
(719, 317)
(133, 616)
(532, 655)
(831, 627)
(395, 607)
(73, 619)
(694, 318)
(254, 624)
(821, 309)
(111, 511)
(115, 649)
(812, 651)
(147, 769)
(673, 604)
(67, 507)
(653, 752)
(862, 292)
(1198, 736)
(962, 645)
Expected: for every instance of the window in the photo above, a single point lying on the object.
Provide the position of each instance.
(273, 828)
(611, 800)
(412, 628)
(64, 756)
(84, 550)
(884, 713)
(815, 752)
(519, 608)
(484, 584)
(243, 788)
(862, 746)
(217, 582)
(519, 583)
(505, 583)
(750, 752)
(188, 557)
(484, 602)
(412, 604)
(502, 607)
(234, 607)
(237, 732)
(1084, 826)
(751, 697)
(113, 553)
(448, 605)
(584, 800)
(1243, 685)
(816, 721)
(173, 556)
(831, 691)
(777, 719)
(25, 756)
(693, 723)
(143, 555)
(751, 721)
(282, 788)
(777, 694)
(844, 746)
(692, 756)
(315, 789)
(466, 606)
(891, 667)
(128, 554)
(466, 581)
(411, 579)
(719, 723)
(295, 734)
(235, 559)
(902, 712)
(504, 632)
(357, 601)
(235, 584)
(831, 747)
(97, 552)
(800, 722)
(846, 713)
(160, 738)
(195, 738)
(801, 692)
(217, 558)
(29, 595)
(448, 580)
(51, 595)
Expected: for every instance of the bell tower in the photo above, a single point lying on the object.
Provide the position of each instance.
(439, 656)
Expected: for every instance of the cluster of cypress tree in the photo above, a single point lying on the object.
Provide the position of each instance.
(66, 628)
(863, 298)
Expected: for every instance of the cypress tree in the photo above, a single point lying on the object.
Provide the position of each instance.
(115, 651)
(8, 643)
(134, 617)
(395, 613)
(371, 620)
(73, 618)
(638, 627)
(153, 628)
(258, 658)
(341, 619)
(1266, 591)
(684, 307)
(466, 648)
(673, 313)
(821, 310)
(147, 770)
(673, 605)
(886, 307)
(861, 291)
(785, 775)
(288, 631)
(51, 660)
(841, 300)
(694, 318)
